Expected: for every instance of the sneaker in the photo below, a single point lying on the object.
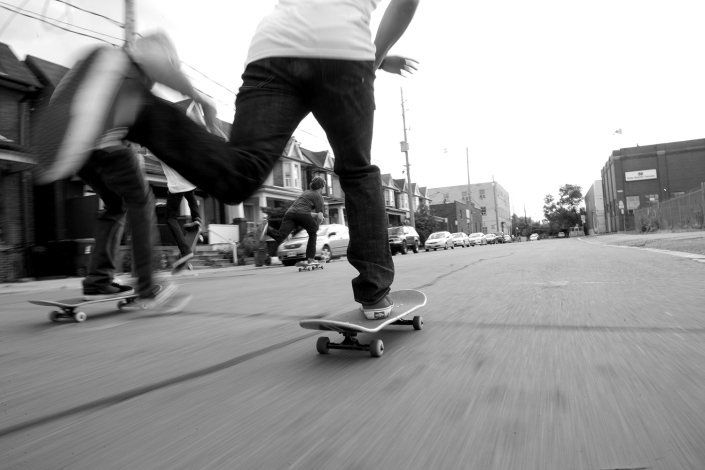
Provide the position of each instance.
(113, 290)
(180, 263)
(261, 230)
(378, 310)
(158, 297)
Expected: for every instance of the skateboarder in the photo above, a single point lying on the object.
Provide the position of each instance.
(324, 65)
(306, 212)
(116, 175)
(178, 189)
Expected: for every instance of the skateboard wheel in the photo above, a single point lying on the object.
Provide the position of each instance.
(418, 323)
(80, 317)
(54, 316)
(322, 345)
(376, 348)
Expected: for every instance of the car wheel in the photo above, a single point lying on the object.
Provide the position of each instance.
(404, 249)
(325, 254)
(415, 249)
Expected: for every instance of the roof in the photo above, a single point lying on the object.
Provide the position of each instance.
(401, 183)
(11, 68)
(48, 73)
(317, 158)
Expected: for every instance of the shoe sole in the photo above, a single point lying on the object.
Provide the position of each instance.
(77, 111)
(109, 296)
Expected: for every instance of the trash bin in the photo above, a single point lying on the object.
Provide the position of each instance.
(82, 249)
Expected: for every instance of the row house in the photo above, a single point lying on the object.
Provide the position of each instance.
(396, 198)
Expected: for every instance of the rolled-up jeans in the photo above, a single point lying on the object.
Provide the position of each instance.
(117, 178)
(276, 94)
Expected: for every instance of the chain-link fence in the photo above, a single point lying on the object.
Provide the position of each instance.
(683, 212)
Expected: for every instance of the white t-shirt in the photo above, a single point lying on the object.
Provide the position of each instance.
(174, 181)
(326, 29)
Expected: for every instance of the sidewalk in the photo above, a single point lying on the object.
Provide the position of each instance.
(73, 284)
(683, 242)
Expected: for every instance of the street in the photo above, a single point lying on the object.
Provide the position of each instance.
(555, 354)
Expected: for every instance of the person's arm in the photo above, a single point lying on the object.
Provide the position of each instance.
(396, 19)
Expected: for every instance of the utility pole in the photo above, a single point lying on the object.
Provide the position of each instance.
(472, 215)
(496, 209)
(129, 22)
(405, 149)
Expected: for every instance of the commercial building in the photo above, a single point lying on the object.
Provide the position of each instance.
(595, 209)
(458, 216)
(490, 198)
(635, 177)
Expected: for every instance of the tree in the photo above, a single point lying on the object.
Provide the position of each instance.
(564, 212)
(425, 222)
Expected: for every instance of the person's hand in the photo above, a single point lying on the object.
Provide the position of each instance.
(398, 64)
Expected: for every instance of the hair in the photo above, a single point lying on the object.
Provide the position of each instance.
(317, 183)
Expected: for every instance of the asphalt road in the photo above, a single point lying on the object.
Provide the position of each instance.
(556, 354)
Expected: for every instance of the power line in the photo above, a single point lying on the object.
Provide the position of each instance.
(115, 22)
(59, 21)
(59, 27)
(207, 77)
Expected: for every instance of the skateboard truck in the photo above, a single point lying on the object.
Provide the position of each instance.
(350, 342)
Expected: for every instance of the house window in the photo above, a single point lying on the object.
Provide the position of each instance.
(652, 197)
(329, 184)
(484, 229)
(464, 195)
(483, 210)
(403, 201)
(389, 197)
(292, 175)
(482, 194)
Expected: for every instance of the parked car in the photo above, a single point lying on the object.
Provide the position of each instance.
(477, 239)
(461, 239)
(561, 234)
(508, 239)
(500, 237)
(403, 238)
(331, 242)
(490, 238)
(533, 237)
(439, 240)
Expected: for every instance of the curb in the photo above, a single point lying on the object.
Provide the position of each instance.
(681, 254)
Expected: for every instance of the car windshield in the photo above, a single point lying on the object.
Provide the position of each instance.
(436, 235)
(458, 235)
(475, 235)
(396, 231)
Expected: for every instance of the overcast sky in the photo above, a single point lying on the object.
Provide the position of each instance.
(534, 90)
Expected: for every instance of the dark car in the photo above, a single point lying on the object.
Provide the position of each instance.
(401, 239)
(500, 237)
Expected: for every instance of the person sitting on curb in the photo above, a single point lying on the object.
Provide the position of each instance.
(306, 212)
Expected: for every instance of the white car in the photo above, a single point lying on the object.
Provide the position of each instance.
(477, 239)
(461, 239)
(490, 238)
(533, 237)
(439, 240)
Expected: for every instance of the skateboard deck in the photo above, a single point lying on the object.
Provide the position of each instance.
(68, 306)
(350, 323)
(192, 235)
(310, 267)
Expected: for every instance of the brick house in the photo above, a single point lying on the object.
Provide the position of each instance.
(18, 87)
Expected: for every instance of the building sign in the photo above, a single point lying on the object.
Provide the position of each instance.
(640, 175)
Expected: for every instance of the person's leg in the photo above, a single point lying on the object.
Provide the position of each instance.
(268, 110)
(306, 222)
(99, 282)
(190, 197)
(120, 171)
(287, 226)
(173, 202)
(344, 105)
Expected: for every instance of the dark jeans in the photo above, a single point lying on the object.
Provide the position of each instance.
(173, 203)
(117, 178)
(291, 221)
(276, 94)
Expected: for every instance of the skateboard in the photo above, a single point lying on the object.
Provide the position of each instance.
(192, 235)
(350, 323)
(310, 267)
(68, 306)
